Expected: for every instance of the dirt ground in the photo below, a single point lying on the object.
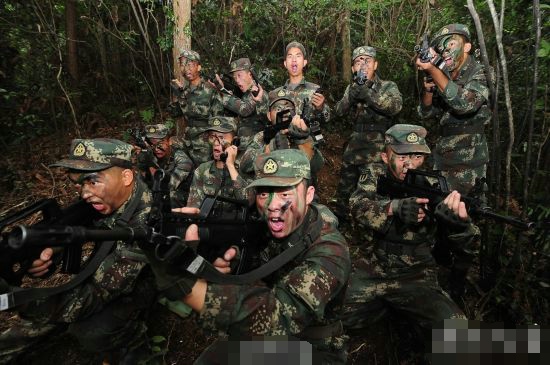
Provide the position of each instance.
(25, 178)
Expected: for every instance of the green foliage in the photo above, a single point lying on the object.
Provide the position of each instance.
(147, 115)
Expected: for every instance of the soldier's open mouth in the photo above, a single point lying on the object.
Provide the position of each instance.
(276, 224)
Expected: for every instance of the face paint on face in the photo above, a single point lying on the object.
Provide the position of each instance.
(400, 164)
(284, 208)
(453, 52)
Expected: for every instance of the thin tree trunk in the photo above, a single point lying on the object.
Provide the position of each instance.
(498, 31)
(72, 55)
(182, 31)
(367, 25)
(346, 47)
(527, 170)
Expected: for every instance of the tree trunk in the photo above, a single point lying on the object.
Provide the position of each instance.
(367, 26)
(72, 55)
(346, 47)
(182, 31)
(527, 170)
(498, 31)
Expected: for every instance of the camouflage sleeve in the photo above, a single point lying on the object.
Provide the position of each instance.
(182, 167)
(216, 103)
(243, 107)
(385, 98)
(196, 193)
(240, 185)
(467, 99)
(343, 106)
(295, 301)
(254, 148)
(368, 208)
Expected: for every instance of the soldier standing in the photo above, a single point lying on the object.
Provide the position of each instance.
(461, 151)
(395, 271)
(251, 107)
(370, 103)
(106, 311)
(297, 300)
(197, 100)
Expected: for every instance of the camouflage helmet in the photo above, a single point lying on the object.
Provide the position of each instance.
(222, 124)
(97, 154)
(240, 64)
(407, 138)
(190, 55)
(449, 30)
(157, 131)
(281, 93)
(281, 168)
(363, 51)
(296, 44)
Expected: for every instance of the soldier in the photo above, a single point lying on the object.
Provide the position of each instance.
(219, 176)
(198, 100)
(169, 157)
(370, 103)
(106, 311)
(282, 103)
(296, 300)
(459, 81)
(251, 107)
(396, 272)
(306, 94)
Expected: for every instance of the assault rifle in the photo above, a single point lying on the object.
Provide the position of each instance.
(228, 83)
(14, 262)
(431, 185)
(423, 51)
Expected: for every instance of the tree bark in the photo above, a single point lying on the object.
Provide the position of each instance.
(72, 55)
(182, 31)
(527, 169)
(346, 47)
(498, 31)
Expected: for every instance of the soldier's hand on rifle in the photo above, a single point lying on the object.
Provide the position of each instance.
(452, 211)
(40, 266)
(409, 210)
(318, 100)
(357, 93)
(429, 85)
(426, 66)
(223, 264)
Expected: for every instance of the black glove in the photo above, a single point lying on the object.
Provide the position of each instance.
(449, 218)
(146, 159)
(406, 209)
(174, 283)
(358, 93)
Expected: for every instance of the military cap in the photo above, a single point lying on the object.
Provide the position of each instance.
(97, 154)
(363, 51)
(157, 131)
(407, 138)
(222, 124)
(190, 55)
(295, 44)
(280, 93)
(281, 168)
(240, 64)
(451, 29)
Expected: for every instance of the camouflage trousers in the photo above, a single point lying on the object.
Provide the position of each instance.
(416, 295)
(113, 326)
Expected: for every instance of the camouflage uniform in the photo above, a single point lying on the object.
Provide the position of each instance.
(106, 311)
(252, 113)
(294, 139)
(211, 180)
(461, 151)
(198, 103)
(299, 299)
(178, 165)
(395, 270)
(371, 116)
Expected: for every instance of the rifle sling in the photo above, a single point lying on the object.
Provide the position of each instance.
(21, 296)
